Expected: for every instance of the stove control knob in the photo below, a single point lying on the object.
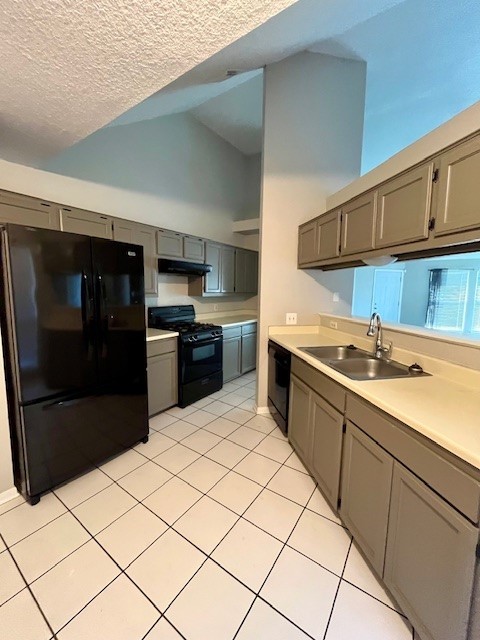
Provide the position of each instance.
(195, 338)
(190, 338)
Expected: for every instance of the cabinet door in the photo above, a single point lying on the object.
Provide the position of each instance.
(299, 423)
(232, 358)
(87, 223)
(366, 484)
(126, 231)
(213, 256)
(241, 271)
(228, 270)
(249, 352)
(28, 211)
(193, 249)
(458, 200)
(358, 224)
(162, 382)
(251, 272)
(430, 559)
(169, 244)
(328, 236)
(403, 208)
(307, 243)
(327, 427)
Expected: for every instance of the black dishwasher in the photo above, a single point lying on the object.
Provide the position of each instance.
(279, 360)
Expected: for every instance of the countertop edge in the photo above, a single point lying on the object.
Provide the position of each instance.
(162, 335)
(359, 389)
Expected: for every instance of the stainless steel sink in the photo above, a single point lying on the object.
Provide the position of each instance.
(336, 352)
(372, 369)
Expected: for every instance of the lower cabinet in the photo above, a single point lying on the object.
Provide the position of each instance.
(366, 485)
(299, 423)
(232, 358)
(327, 433)
(430, 559)
(162, 375)
(239, 350)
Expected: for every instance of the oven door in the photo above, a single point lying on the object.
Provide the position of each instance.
(200, 359)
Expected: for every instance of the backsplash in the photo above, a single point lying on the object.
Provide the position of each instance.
(173, 290)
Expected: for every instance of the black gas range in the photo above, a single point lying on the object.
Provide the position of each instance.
(200, 351)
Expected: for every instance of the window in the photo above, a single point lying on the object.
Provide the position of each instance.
(447, 299)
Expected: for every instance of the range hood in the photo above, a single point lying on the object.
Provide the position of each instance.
(182, 267)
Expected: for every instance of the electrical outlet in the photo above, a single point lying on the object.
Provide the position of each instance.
(336, 297)
(291, 318)
(215, 307)
(333, 324)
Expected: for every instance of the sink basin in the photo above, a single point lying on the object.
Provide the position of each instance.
(372, 369)
(336, 353)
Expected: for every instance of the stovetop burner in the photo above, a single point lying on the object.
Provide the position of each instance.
(182, 320)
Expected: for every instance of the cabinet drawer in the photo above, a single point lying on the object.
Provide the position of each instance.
(249, 328)
(437, 468)
(333, 393)
(157, 347)
(232, 332)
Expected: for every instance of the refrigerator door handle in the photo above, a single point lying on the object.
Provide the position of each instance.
(103, 317)
(86, 315)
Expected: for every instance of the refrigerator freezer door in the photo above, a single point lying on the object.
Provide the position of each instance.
(52, 312)
(120, 299)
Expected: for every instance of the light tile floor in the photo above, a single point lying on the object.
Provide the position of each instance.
(213, 530)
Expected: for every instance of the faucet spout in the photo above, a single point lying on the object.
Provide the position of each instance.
(380, 351)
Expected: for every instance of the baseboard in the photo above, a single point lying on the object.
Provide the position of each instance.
(9, 494)
(263, 410)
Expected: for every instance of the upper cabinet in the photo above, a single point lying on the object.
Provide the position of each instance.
(319, 239)
(134, 233)
(246, 271)
(358, 224)
(177, 246)
(458, 201)
(213, 257)
(24, 210)
(404, 207)
(433, 205)
(87, 223)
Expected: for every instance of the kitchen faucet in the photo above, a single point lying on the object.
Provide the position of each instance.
(380, 351)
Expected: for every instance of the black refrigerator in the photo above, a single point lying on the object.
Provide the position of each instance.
(73, 329)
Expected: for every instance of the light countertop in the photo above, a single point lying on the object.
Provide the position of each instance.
(160, 334)
(233, 321)
(439, 408)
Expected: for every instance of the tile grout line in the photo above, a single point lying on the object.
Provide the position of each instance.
(337, 590)
(53, 636)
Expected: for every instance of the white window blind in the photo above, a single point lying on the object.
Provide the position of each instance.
(476, 306)
(447, 299)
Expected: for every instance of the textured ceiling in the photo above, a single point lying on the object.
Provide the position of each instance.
(70, 67)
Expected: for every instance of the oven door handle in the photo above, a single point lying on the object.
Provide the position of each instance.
(200, 342)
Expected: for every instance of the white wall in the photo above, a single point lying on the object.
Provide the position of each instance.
(313, 120)
(251, 207)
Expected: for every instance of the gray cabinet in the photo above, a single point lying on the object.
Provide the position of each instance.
(162, 375)
(358, 224)
(458, 198)
(126, 231)
(88, 223)
(232, 354)
(249, 352)
(365, 500)
(24, 210)
(430, 559)
(227, 270)
(213, 257)
(193, 249)
(299, 423)
(328, 236)
(327, 430)
(403, 207)
(307, 243)
(169, 244)
(246, 271)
